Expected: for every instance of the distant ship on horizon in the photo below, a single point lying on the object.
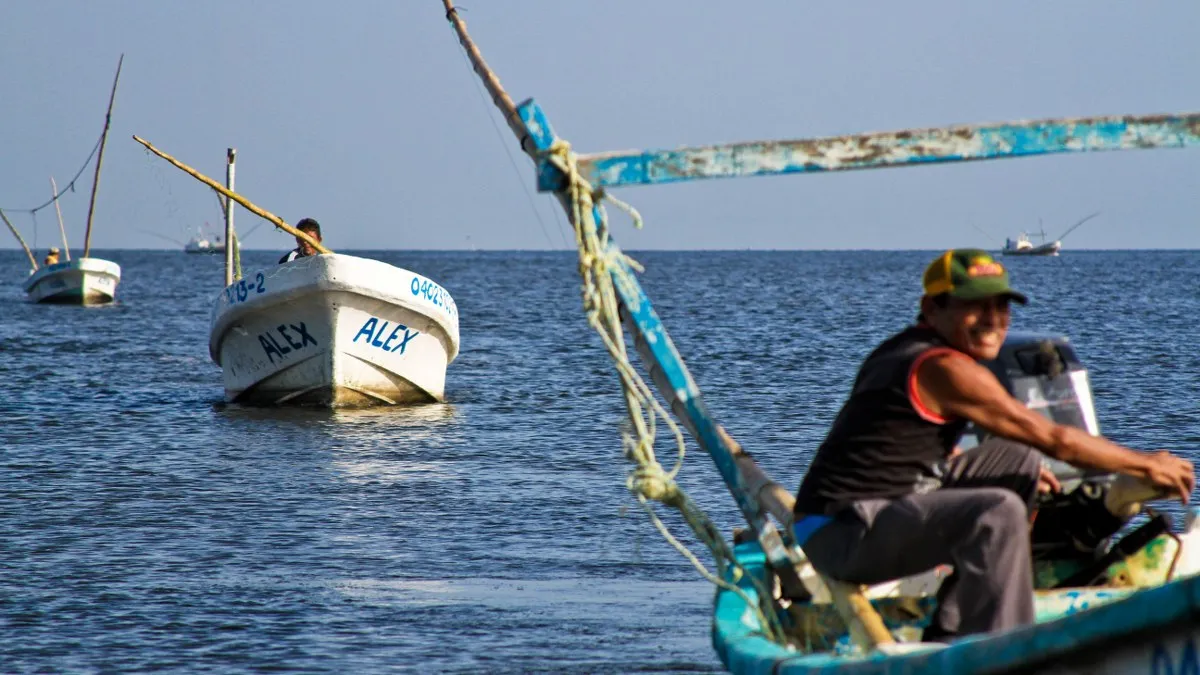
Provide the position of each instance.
(201, 244)
(1024, 246)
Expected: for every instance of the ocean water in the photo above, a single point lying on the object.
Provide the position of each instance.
(147, 526)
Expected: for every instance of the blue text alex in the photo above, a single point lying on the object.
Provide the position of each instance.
(374, 330)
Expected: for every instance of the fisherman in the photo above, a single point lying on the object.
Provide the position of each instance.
(51, 257)
(304, 249)
(889, 495)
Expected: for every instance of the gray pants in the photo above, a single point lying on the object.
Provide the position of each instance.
(977, 521)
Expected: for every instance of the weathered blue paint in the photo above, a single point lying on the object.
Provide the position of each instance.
(549, 178)
(893, 148)
(1155, 613)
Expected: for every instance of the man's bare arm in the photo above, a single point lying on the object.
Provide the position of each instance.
(955, 386)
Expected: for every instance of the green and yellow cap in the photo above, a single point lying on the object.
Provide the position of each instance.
(970, 274)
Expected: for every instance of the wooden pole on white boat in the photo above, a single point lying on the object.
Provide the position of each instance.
(230, 242)
(87, 236)
(62, 230)
(32, 260)
(229, 194)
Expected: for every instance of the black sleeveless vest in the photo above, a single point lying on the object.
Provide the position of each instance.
(879, 446)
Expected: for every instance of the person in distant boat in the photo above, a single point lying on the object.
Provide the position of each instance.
(51, 257)
(890, 495)
(304, 249)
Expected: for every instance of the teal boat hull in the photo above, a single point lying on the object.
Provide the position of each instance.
(1152, 631)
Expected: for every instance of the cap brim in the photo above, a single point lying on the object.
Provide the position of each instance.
(1018, 297)
(978, 294)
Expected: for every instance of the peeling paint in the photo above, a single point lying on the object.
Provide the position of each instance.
(893, 148)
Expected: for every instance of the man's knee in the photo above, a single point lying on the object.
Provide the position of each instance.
(1004, 511)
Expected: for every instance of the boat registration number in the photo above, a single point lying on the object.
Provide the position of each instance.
(424, 288)
(243, 289)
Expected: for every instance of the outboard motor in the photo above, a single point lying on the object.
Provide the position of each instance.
(1044, 373)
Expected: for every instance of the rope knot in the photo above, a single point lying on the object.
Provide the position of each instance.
(650, 481)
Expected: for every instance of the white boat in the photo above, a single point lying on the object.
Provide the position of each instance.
(1023, 246)
(83, 281)
(334, 330)
(204, 245)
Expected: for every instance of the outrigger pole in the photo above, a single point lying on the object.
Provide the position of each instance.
(890, 148)
(87, 236)
(230, 194)
(32, 260)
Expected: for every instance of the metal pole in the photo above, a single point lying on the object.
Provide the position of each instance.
(230, 242)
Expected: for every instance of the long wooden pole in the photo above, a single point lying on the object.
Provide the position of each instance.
(500, 97)
(229, 194)
(32, 260)
(87, 236)
(62, 230)
(230, 242)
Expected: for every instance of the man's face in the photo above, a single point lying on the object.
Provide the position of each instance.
(305, 247)
(975, 327)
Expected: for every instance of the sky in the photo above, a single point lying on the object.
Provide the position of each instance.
(365, 116)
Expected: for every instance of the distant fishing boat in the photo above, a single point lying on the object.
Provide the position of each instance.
(1023, 246)
(327, 330)
(85, 280)
(1116, 604)
(202, 244)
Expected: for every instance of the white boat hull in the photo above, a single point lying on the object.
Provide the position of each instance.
(83, 281)
(334, 330)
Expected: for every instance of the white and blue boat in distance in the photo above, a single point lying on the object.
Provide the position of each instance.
(334, 330)
(83, 281)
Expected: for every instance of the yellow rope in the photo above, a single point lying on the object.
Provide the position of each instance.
(599, 264)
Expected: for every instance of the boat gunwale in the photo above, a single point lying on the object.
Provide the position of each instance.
(744, 648)
(226, 315)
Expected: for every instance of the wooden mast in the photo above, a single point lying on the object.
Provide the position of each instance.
(87, 237)
(62, 230)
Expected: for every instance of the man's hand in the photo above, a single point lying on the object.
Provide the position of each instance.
(1174, 475)
(1048, 482)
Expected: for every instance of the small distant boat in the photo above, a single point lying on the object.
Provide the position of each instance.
(85, 280)
(1023, 246)
(334, 330)
(201, 244)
